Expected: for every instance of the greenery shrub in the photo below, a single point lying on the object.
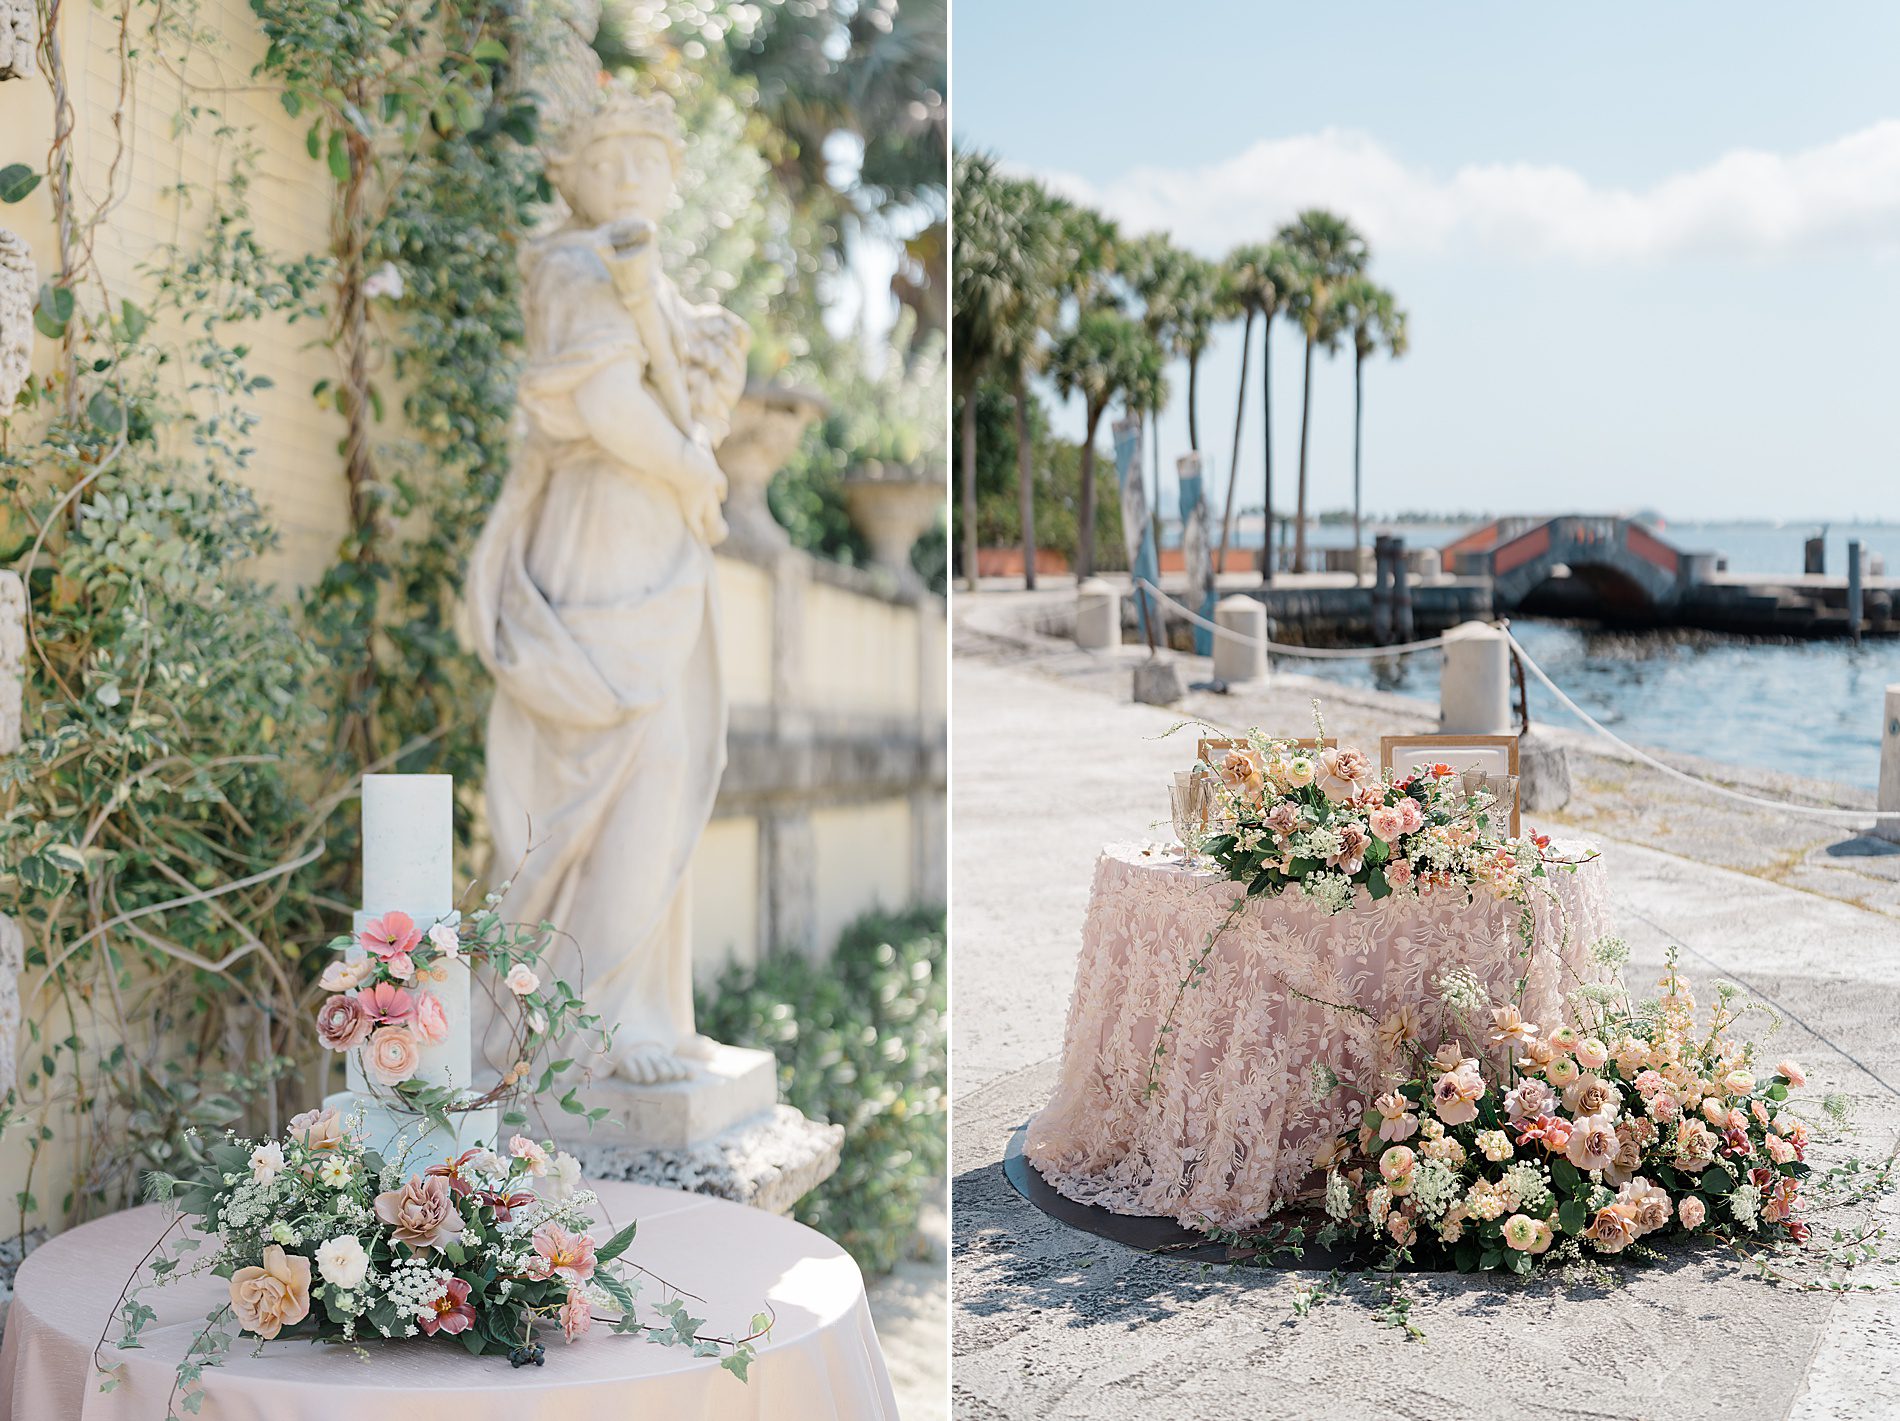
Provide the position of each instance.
(860, 1042)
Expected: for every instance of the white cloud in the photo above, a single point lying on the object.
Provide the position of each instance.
(1841, 194)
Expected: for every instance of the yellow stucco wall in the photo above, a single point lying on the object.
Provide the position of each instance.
(745, 631)
(862, 860)
(725, 896)
(860, 654)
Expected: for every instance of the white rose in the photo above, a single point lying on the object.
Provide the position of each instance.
(445, 941)
(567, 1175)
(267, 1162)
(521, 979)
(342, 1262)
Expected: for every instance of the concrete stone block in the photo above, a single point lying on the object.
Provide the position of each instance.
(1157, 683)
(736, 1084)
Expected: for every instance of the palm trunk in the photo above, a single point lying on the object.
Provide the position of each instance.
(1266, 441)
(1085, 531)
(1358, 424)
(1194, 400)
(969, 489)
(1025, 478)
(1154, 504)
(1233, 463)
(1299, 508)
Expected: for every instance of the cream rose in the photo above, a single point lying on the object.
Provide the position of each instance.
(343, 1263)
(266, 1300)
(521, 979)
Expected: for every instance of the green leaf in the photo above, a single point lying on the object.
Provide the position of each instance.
(1565, 1175)
(616, 1245)
(292, 104)
(1717, 1181)
(491, 50)
(1376, 884)
(105, 412)
(16, 181)
(68, 858)
(54, 310)
(339, 158)
(1572, 1216)
(1492, 1257)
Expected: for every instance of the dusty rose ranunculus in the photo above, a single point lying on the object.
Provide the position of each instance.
(432, 1021)
(1612, 1230)
(386, 1003)
(421, 1214)
(266, 1300)
(392, 1054)
(389, 935)
(342, 1023)
(318, 1129)
(576, 1315)
(1792, 1074)
(1593, 1143)
(1692, 1211)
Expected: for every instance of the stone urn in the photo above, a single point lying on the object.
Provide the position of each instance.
(767, 425)
(892, 505)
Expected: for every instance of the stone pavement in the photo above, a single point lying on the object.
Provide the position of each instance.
(910, 1306)
(1050, 759)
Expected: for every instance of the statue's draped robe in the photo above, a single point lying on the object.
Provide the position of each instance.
(594, 606)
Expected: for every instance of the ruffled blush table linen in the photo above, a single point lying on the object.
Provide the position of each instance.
(1230, 1129)
(821, 1363)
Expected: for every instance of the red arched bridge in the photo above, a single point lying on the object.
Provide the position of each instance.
(1618, 564)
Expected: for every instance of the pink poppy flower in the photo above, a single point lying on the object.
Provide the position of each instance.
(559, 1253)
(389, 936)
(387, 1003)
(449, 1313)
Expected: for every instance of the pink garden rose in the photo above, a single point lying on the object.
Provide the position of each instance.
(387, 1003)
(432, 1020)
(342, 1023)
(449, 1313)
(1593, 1143)
(576, 1315)
(1692, 1211)
(1455, 1096)
(1387, 823)
(1284, 818)
(559, 1253)
(390, 935)
(1398, 873)
(393, 1054)
(1528, 1099)
(1353, 843)
(421, 1214)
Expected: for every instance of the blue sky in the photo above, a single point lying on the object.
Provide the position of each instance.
(1651, 255)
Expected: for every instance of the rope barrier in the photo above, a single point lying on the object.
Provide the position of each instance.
(1583, 715)
(1366, 653)
(1352, 653)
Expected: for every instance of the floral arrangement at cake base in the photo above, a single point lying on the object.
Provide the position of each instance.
(321, 1238)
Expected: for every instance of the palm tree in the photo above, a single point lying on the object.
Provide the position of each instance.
(1106, 354)
(1328, 250)
(1004, 295)
(1282, 275)
(1248, 288)
(1374, 319)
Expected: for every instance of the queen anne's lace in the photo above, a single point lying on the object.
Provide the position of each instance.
(1229, 1132)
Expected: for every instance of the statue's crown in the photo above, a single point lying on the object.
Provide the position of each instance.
(617, 112)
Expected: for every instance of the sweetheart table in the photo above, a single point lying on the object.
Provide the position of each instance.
(820, 1363)
(1222, 1127)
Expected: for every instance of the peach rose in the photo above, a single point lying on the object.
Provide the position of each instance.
(1692, 1211)
(318, 1129)
(392, 1055)
(432, 1021)
(421, 1214)
(1508, 1028)
(1386, 822)
(267, 1300)
(1695, 1146)
(1398, 873)
(1593, 1143)
(1612, 1230)
(1792, 1074)
(1455, 1096)
(1592, 1095)
(1447, 1056)
(342, 1023)
(1343, 770)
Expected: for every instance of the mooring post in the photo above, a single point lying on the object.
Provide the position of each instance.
(1401, 593)
(1853, 589)
(1382, 589)
(1098, 615)
(1243, 655)
(1814, 554)
(1474, 686)
(1888, 801)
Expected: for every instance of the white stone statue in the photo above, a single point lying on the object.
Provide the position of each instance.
(591, 591)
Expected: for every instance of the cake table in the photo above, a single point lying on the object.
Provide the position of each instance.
(820, 1363)
(1229, 1128)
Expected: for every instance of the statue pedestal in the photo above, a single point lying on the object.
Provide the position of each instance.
(720, 1132)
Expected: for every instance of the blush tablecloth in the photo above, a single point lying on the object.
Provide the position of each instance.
(821, 1363)
(1230, 1129)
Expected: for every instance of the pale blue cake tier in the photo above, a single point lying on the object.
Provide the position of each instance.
(426, 1144)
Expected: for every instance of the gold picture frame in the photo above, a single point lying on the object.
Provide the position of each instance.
(1443, 749)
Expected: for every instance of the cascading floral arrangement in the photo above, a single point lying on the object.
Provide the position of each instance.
(1327, 822)
(382, 1005)
(1518, 1143)
(321, 1237)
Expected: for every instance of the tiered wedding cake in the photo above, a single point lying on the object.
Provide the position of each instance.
(408, 867)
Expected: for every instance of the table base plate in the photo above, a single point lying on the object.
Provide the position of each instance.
(1163, 1237)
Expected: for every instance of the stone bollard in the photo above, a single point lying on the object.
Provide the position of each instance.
(1888, 801)
(1235, 659)
(1474, 685)
(1157, 683)
(1430, 564)
(1098, 615)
